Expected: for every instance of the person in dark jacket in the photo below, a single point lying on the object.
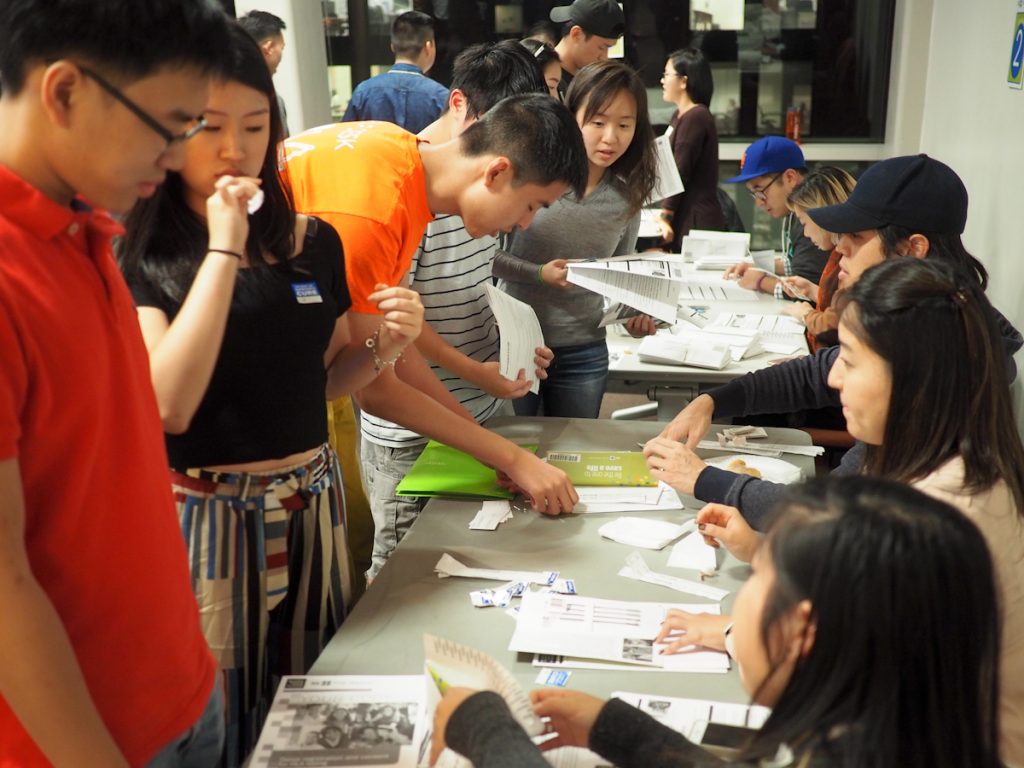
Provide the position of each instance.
(849, 673)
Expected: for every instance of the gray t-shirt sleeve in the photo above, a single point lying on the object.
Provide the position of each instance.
(514, 269)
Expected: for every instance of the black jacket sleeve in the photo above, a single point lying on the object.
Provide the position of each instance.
(482, 728)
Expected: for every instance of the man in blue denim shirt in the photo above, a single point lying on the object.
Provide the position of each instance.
(403, 95)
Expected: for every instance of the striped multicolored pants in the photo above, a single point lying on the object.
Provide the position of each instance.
(272, 574)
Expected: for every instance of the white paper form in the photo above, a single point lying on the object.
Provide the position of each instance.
(623, 499)
(651, 286)
(519, 336)
(714, 288)
(686, 715)
(669, 182)
(779, 333)
(692, 659)
(592, 628)
(636, 568)
(763, 449)
(351, 720)
(459, 665)
(449, 566)
(648, 222)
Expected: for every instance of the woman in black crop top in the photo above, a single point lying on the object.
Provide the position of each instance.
(243, 317)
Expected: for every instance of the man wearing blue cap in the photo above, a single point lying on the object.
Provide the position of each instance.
(771, 168)
(589, 29)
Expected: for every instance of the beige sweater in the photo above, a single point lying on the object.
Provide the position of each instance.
(996, 515)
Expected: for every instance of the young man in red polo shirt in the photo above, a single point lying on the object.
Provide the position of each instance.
(102, 661)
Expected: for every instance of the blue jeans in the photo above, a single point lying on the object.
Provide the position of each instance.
(201, 745)
(575, 385)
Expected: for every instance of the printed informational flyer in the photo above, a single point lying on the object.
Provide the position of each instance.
(342, 720)
(610, 630)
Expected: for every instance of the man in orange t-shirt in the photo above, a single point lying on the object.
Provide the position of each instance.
(102, 660)
(379, 186)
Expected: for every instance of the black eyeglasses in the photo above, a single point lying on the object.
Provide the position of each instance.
(143, 115)
(759, 194)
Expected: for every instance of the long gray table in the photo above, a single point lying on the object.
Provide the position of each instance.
(383, 634)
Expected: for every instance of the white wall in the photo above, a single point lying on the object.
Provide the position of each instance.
(974, 121)
(301, 78)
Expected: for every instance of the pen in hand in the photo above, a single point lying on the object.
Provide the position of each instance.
(442, 686)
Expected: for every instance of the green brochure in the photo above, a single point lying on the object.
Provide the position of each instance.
(627, 468)
(444, 471)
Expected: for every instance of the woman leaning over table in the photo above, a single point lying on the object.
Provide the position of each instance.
(610, 104)
(243, 318)
(899, 670)
(935, 414)
(825, 186)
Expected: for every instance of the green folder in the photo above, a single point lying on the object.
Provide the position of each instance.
(444, 471)
(625, 468)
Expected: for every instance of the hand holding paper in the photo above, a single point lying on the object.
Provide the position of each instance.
(521, 334)
(682, 629)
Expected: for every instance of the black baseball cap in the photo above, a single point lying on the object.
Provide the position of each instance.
(915, 192)
(597, 17)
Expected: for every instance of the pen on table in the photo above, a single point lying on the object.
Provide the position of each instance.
(442, 686)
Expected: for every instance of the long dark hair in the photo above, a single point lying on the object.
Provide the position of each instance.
(903, 667)
(949, 247)
(693, 65)
(592, 88)
(166, 241)
(933, 325)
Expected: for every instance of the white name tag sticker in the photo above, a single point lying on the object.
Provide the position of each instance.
(307, 293)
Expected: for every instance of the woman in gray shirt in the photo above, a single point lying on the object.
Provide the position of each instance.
(610, 104)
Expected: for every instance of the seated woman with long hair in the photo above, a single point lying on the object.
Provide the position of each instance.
(870, 626)
(922, 380)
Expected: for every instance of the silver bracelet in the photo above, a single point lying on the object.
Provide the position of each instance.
(373, 344)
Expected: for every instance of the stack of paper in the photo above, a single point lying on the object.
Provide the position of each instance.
(668, 349)
(715, 250)
(780, 334)
(594, 499)
(649, 285)
(741, 342)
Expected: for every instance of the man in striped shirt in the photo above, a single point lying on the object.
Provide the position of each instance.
(449, 271)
